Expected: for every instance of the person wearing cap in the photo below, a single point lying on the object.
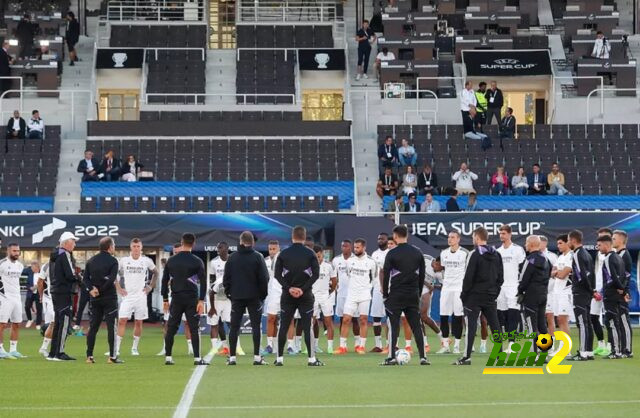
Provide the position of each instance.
(64, 283)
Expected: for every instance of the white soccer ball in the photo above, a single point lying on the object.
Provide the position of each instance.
(403, 357)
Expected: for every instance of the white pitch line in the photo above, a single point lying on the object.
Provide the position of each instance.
(329, 406)
(182, 410)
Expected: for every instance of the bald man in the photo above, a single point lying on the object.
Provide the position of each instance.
(534, 282)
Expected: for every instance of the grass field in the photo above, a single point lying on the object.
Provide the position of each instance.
(349, 386)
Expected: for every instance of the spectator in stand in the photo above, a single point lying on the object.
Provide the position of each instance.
(555, 179)
(429, 204)
(452, 203)
(499, 182)
(16, 127)
(387, 184)
(89, 167)
(388, 153)
(72, 36)
(481, 107)
(35, 126)
(131, 168)
(385, 55)
(407, 154)
(472, 203)
(409, 181)
(397, 205)
(365, 37)
(519, 184)
(110, 167)
(427, 181)
(412, 205)
(508, 125)
(469, 123)
(467, 100)
(5, 69)
(601, 47)
(537, 181)
(495, 101)
(464, 179)
(25, 31)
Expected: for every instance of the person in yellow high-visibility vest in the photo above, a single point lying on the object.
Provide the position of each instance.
(481, 108)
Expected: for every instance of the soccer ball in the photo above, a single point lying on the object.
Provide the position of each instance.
(403, 357)
(544, 342)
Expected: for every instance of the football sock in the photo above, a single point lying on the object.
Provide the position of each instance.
(378, 341)
(136, 341)
(343, 342)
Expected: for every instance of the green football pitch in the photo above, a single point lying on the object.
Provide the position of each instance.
(348, 386)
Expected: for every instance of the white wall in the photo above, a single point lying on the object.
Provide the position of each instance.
(321, 80)
(127, 78)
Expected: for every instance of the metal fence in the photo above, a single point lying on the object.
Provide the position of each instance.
(287, 11)
(159, 11)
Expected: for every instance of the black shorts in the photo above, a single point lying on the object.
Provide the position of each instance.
(71, 45)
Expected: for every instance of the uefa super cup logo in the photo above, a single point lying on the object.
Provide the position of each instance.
(322, 59)
(119, 59)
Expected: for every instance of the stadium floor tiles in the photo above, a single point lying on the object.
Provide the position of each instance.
(348, 386)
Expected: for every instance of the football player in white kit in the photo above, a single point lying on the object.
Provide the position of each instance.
(377, 304)
(340, 266)
(272, 303)
(10, 300)
(44, 286)
(322, 290)
(513, 256)
(597, 307)
(133, 271)
(551, 297)
(433, 275)
(562, 296)
(362, 271)
(454, 263)
(220, 309)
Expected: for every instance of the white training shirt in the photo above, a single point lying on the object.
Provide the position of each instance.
(598, 268)
(216, 268)
(44, 275)
(362, 272)
(564, 261)
(340, 266)
(135, 273)
(10, 272)
(553, 260)
(379, 256)
(320, 287)
(274, 288)
(512, 257)
(455, 265)
(431, 277)
(382, 57)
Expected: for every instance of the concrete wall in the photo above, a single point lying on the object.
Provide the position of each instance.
(124, 79)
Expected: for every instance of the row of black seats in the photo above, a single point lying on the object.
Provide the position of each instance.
(219, 116)
(158, 36)
(210, 204)
(284, 36)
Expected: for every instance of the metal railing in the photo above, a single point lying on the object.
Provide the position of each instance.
(555, 86)
(603, 90)
(156, 10)
(12, 77)
(195, 97)
(74, 103)
(286, 11)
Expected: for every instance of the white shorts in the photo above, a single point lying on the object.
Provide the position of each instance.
(357, 305)
(10, 310)
(450, 303)
(425, 290)
(223, 310)
(324, 305)
(596, 307)
(47, 309)
(272, 304)
(551, 303)
(508, 299)
(136, 306)
(340, 301)
(563, 303)
(377, 305)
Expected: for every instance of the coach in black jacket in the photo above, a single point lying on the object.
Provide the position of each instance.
(296, 270)
(533, 287)
(613, 283)
(480, 289)
(402, 290)
(63, 285)
(245, 282)
(583, 285)
(100, 275)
